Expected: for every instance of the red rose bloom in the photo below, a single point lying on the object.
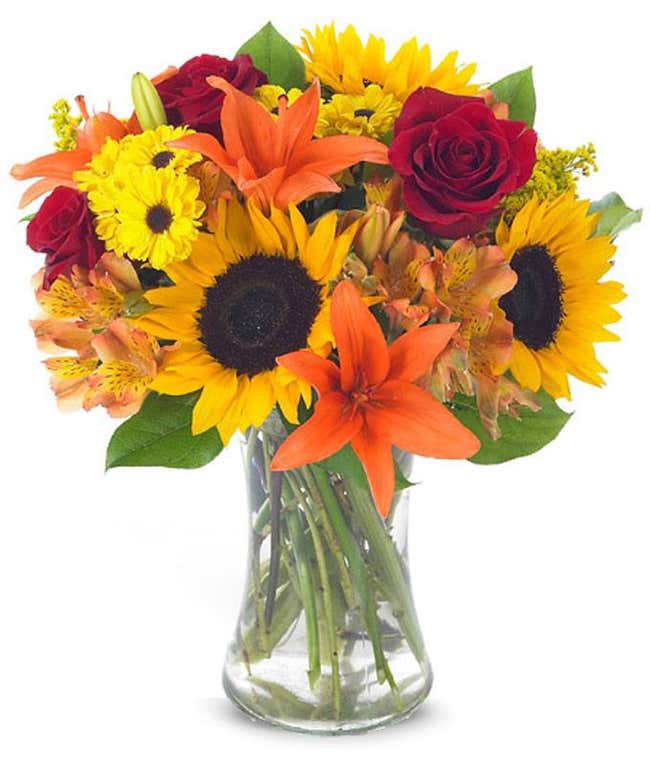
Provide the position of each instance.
(63, 230)
(189, 99)
(457, 160)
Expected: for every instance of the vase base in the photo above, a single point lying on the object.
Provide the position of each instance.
(313, 725)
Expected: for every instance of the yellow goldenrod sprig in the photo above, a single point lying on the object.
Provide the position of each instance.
(65, 125)
(556, 172)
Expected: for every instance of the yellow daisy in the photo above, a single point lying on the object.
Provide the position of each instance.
(269, 94)
(156, 215)
(105, 178)
(344, 64)
(255, 289)
(372, 113)
(558, 306)
(150, 149)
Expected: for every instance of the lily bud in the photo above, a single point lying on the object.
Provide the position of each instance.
(147, 103)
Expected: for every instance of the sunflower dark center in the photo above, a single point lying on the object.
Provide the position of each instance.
(367, 112)
(534, 306)
(259, 309)
(159, 218)
(162, 159)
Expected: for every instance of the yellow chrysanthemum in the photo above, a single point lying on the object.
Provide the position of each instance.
(100, 168)
(104, 179)
(344, 64)
(255, 289)
(150, 149)
(372, 113)
(269, 94)
(558, 306)
(156, 216)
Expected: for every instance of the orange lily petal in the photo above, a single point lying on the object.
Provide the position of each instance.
(316, 370)
(208, 146)
(296, 123)
(333, 424)
(415, 421)
(412, 354)
(332, 154)
(40, 187)
(363, 352)
(376, 455)
(301, 185)
(59, 165)
(248, 128)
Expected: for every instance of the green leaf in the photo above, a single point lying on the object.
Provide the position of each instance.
(520, 437)
(29, 217)
(615, 216)
(160, 435)
(518, 91)
(276, 57)
(346, 463)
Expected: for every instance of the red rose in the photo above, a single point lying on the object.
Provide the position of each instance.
(190, 100)
(63, 230)
(457, 160)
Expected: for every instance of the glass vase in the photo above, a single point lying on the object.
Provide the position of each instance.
(327, 640)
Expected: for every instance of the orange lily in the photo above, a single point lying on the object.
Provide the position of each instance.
(58, 169)
(277, 160)
(371, 401)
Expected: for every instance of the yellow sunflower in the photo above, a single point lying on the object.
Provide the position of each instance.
(344, 64)
(558, 306)
(258, 287)
(371, 113)
(156, 215)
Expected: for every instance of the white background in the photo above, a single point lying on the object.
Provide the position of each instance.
(118, 593)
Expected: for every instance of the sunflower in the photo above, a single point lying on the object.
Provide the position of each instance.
(255, 289)
(372, 113)
(344, 64)
(155, 217)
(558, 307)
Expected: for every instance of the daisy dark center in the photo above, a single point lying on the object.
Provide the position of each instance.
(259, 309)
(159, 218)
(162, 159)
(534, 306)
(367, 112)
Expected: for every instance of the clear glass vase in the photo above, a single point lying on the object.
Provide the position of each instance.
(327, 640)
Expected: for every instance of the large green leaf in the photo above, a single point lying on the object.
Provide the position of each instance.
(615, 216)
(520, 437)
(160, 435)
(518, 91)
(276, 57)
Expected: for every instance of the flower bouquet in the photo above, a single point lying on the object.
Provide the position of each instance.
(346, 259)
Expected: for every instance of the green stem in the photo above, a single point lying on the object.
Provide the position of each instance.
(328, 607)
(306, 583)
(323, 519)
(287, 609)
(359, 574)
(387, 564)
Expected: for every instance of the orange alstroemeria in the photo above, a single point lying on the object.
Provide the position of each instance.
(276, 159)
(58, 169)
(370, 399)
